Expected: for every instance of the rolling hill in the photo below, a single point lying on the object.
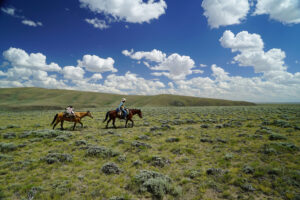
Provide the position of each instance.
(40, 98)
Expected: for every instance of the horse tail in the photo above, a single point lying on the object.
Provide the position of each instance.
(106, 116)
(54, 119)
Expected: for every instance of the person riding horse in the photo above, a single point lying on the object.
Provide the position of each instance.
(69, 112)
(122, 108)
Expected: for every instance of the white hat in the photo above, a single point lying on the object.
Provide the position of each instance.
(123, 99)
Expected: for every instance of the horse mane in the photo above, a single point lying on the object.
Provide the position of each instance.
(135, 109)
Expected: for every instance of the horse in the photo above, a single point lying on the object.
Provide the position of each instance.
(60, 117)
(113, 115)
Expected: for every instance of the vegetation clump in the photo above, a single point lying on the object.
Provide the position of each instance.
(277, 137)
(80, 142)
(281, 123)
(248, 169)
(172, 139)
(51, 158)
(9, 135)
(155, 183)
(159, 161)
(6, 147)
(140, 144)
(101, 151)
(110, 168)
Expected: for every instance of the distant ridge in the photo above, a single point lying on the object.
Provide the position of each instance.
(31, 98)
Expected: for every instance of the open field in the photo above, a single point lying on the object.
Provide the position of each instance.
(172, 153)
(51, 99)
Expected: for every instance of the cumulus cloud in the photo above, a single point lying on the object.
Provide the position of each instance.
(134, 11)
(224, 86)
(154, 55)
(96, 77)
(73, 73)
(274, 84)
(98, 23)
(242, 41)
(31, 23)
(94, 63)
(174, 66)
(251, 53)
(225, 12)
(20, 59)
(177, 66)
(133, 84)
(285, 11)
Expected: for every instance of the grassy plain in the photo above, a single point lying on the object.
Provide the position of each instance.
(187, 152)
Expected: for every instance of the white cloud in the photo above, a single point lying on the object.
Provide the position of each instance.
(203, 65)
(2, 73)
(132, 84)
(171, 85)
(242, 41)
(9, 11)
(147, 64)
(37, 61)
(154, 55)
(134, 11)
(177, 66)
(73, 73)
(31, 23)
(275, 84)
(251, 51)
(97, 23)
(96, 77)
(257, 89)
(285, 11)
(94, 63)
(225, 12)
(174, 66)
(197, 71)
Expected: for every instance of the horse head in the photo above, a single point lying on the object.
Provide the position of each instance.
(139, 112)
(88, 113)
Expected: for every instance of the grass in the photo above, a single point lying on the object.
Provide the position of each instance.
(51, 99)
(167, 155)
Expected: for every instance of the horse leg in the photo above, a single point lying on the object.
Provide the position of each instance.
(132, 123)
(126, 123)
(107, 123)
(55, 124)
(81, 124)
(114, 120)
(61, 125)
(74, 126)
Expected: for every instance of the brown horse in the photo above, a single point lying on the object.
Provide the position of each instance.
(60, 117)
(113, 115)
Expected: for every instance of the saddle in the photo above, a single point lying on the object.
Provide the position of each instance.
(69, 115)
(121, 114)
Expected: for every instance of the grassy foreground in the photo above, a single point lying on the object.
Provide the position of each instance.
(40, 98)
(172, 153)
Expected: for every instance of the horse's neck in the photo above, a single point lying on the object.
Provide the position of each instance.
(133, 111)
(82, 114)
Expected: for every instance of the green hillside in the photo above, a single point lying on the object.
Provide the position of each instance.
(40, 98)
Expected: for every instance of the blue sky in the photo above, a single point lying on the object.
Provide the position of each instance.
(229, 49)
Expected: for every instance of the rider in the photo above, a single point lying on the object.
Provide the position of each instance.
(122, 107)
(69, 112)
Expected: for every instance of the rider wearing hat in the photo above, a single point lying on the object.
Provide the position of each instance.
(122, 107)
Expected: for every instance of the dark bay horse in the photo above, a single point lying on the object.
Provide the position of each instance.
(113, 115)
(60, 117)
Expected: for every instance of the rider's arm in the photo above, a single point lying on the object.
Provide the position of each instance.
(121, 104)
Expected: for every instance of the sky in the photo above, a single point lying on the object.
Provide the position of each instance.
(227, 49)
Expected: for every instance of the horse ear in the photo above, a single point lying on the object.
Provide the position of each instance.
(88, 111)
